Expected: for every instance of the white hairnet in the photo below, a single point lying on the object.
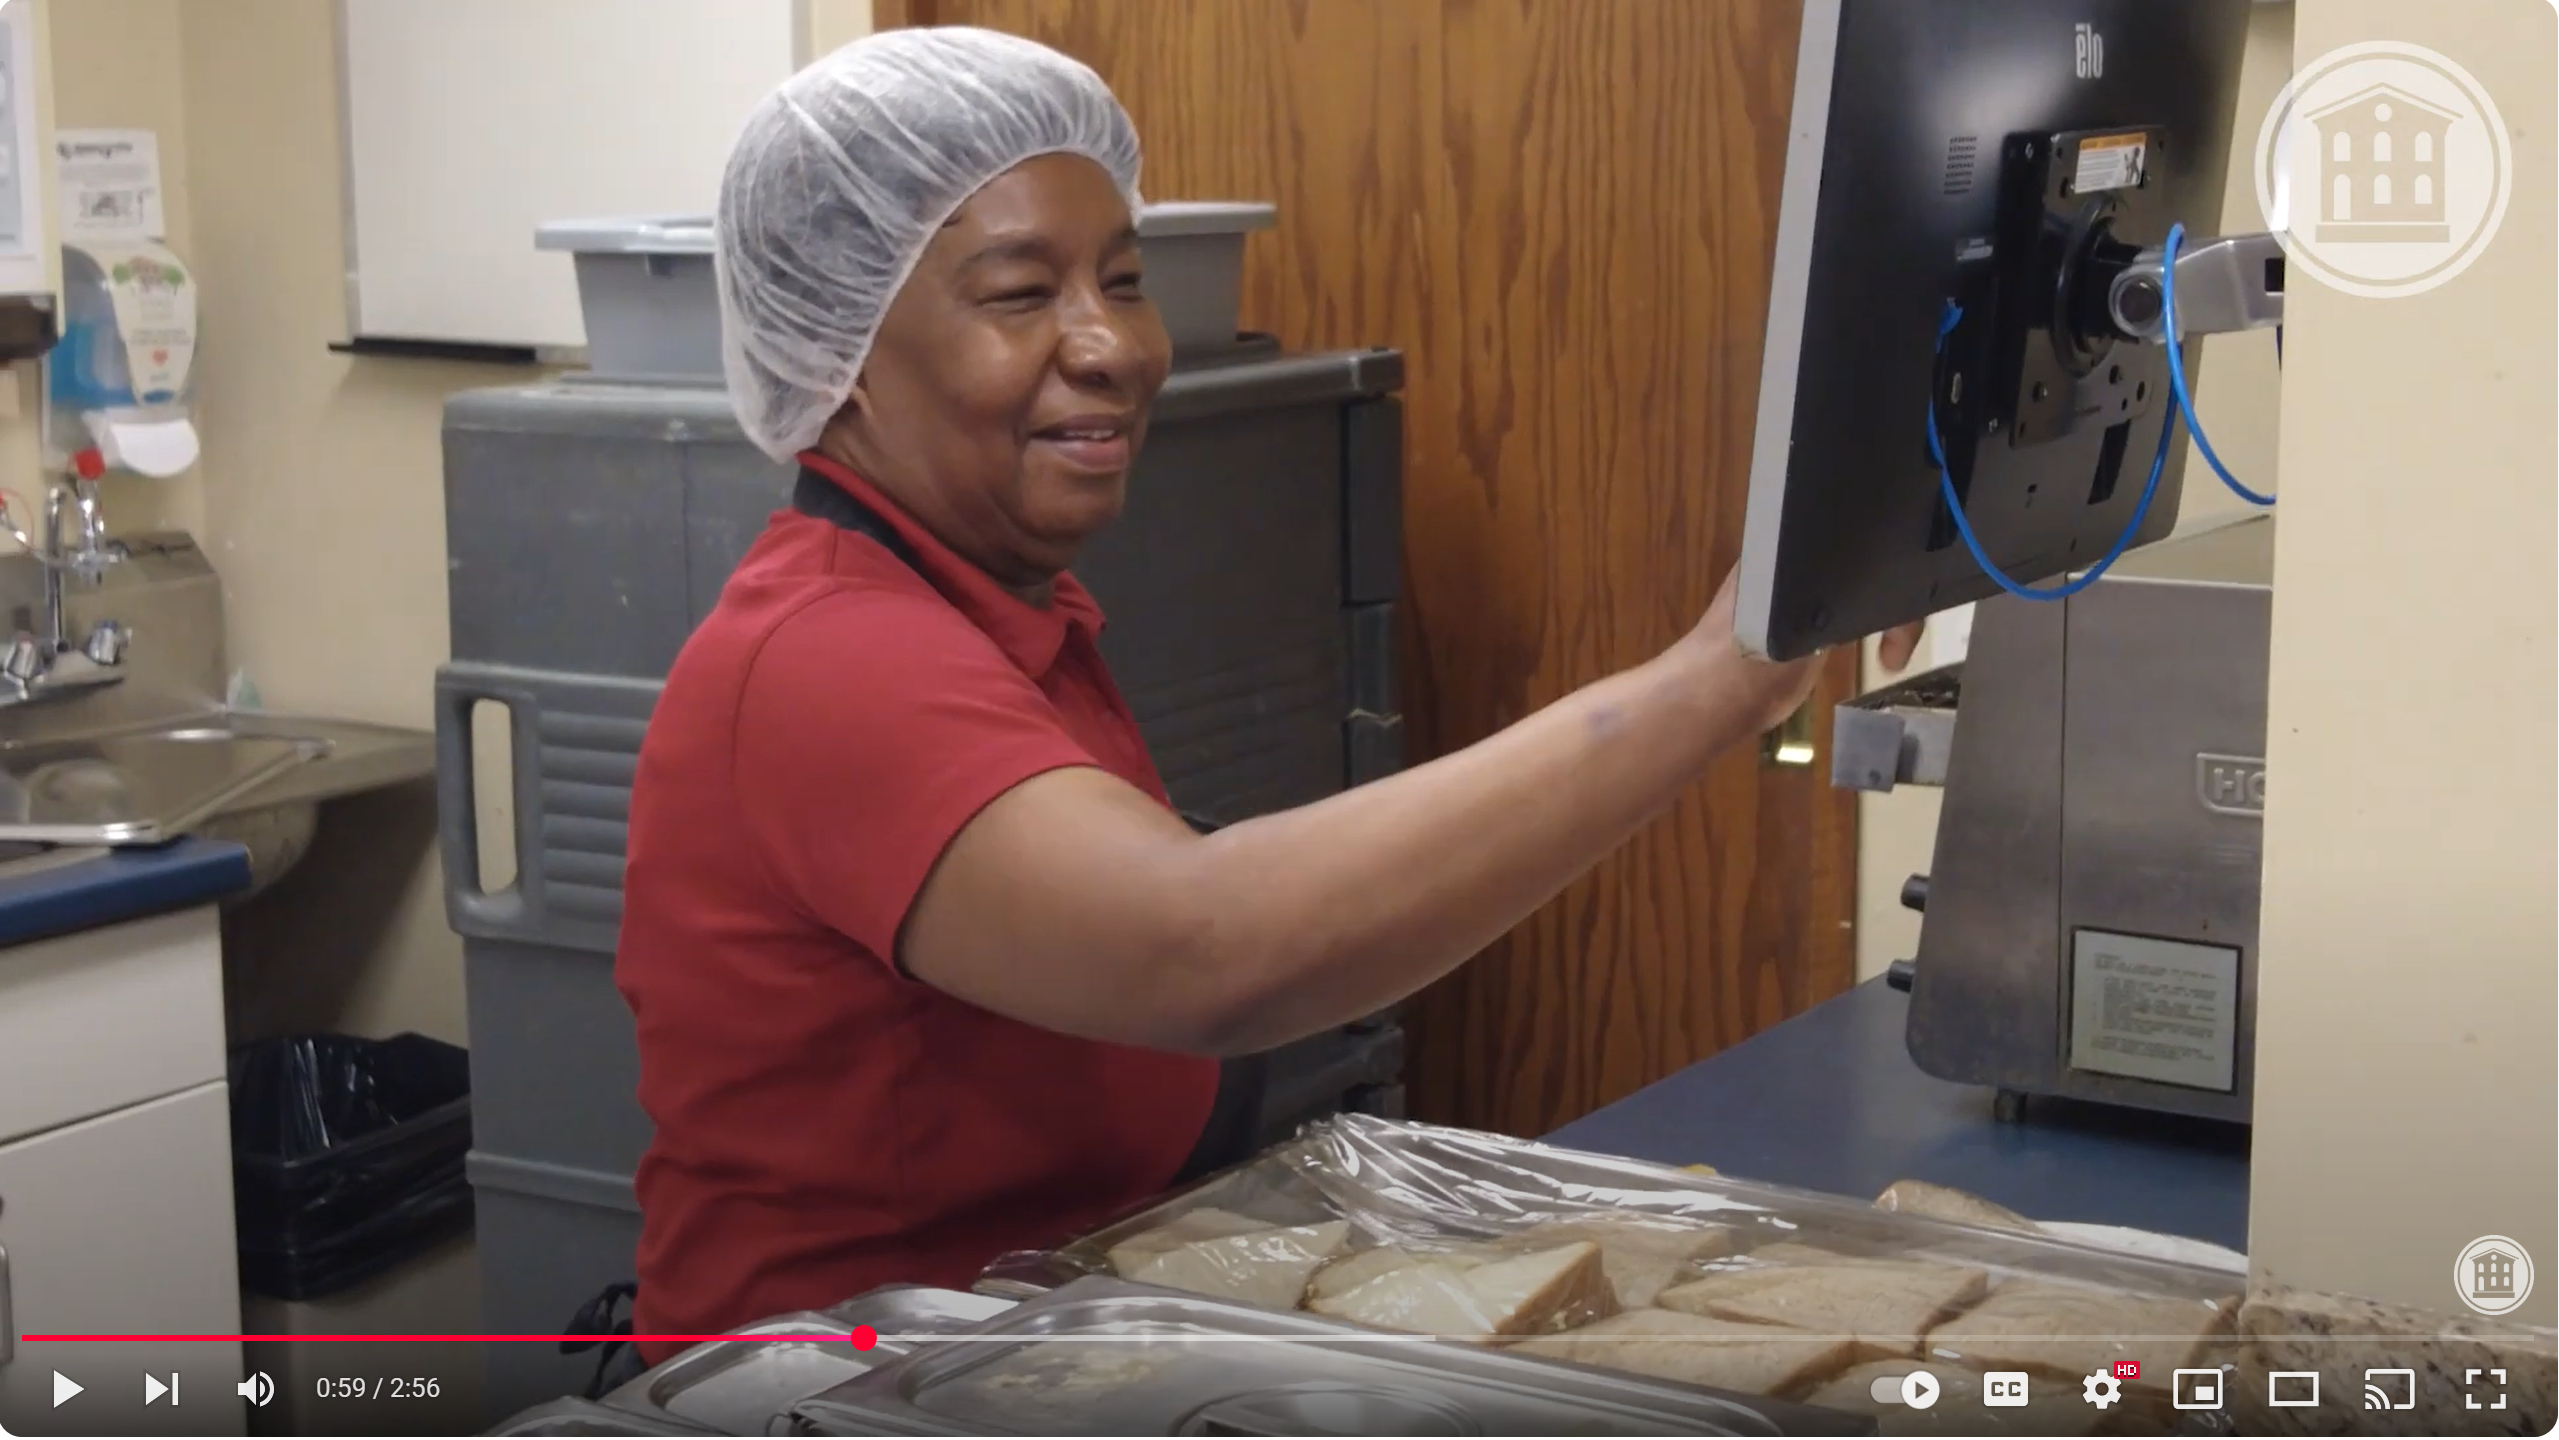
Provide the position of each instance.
(843, 174)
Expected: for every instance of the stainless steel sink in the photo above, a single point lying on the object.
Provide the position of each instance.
(154, 756)
(147, 783)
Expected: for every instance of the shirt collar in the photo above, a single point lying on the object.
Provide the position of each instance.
(1029, 635)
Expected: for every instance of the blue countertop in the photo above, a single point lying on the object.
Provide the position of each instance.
(1830, 1100)
(119, 885)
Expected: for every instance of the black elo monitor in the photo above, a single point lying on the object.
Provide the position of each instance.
(1972, 189)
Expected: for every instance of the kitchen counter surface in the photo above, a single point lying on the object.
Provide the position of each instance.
(1830, 1100)
(60, 892)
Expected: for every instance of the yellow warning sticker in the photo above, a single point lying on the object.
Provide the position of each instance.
(2108, 162)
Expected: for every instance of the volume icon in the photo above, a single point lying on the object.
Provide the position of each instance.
(258, 1389)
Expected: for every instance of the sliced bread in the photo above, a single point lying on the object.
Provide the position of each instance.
(1351, 1271)
(1698, 1350)
(1261, 1267)
(1918, 1197)
(2067, 1333)
(1206, 1223)
(1887, 1306)
(1529, 1294)
(1642, 1257)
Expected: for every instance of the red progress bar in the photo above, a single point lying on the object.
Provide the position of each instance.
(861, 1338)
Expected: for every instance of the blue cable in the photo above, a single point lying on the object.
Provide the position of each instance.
(1964, 527)
(2177, 368)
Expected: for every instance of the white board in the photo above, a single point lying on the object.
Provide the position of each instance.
(471, 122)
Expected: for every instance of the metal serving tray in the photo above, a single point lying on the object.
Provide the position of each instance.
(577, 1417)
(1105, 1357)
(740, 1387)
(905, 1315)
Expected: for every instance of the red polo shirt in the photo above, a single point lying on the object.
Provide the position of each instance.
(825, 1124)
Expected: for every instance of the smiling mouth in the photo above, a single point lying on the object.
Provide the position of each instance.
(1084, 431)
(1095, 445)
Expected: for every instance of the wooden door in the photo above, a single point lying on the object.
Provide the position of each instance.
(1562, 212)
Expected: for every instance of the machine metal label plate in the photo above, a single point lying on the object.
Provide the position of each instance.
(2164, 1010)
(2231, 784)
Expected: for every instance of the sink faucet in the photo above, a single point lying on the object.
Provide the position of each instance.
(37, 667)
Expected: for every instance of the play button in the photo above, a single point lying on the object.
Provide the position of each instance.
(64, 1387)
(1919, 1389)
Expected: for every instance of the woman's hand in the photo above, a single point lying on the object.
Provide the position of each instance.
(1771, 690)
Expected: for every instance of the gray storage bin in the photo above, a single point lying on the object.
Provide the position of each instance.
(553, 1057)
(646, 291)
(651, 304)
(551, 1238)
(1195, 265)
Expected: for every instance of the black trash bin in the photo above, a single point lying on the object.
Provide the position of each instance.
(346, 1157)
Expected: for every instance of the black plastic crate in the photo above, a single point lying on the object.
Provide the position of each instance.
(346, 1157)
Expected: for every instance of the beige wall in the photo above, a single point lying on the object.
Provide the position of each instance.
(320, 496)
(836, 22)
(2407, 1076)
(2235, 397)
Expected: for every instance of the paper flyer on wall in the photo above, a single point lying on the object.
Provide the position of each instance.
(110, 185)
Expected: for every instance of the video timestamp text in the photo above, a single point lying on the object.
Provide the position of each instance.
(377, 1387)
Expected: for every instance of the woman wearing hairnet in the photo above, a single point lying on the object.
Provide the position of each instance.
(925, 967)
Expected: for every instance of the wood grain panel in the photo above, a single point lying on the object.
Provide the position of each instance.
(1563, 214)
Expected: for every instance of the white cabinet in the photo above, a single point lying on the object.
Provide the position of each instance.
(115, 1179)
(97, 1020)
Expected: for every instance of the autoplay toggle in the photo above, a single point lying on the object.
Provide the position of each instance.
(1918, 1390)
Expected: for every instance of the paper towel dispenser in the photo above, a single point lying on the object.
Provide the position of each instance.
(122, 379)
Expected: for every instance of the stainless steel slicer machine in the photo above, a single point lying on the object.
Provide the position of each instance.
(2089, 919)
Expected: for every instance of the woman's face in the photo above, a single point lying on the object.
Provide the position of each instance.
(1005, 397)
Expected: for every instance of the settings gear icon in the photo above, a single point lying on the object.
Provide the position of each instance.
(2101, 1389)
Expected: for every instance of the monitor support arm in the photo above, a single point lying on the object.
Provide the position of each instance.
(2228, 283)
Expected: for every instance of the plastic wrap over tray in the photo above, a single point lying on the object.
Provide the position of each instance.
(1105, 1357)
(1464, 1234)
